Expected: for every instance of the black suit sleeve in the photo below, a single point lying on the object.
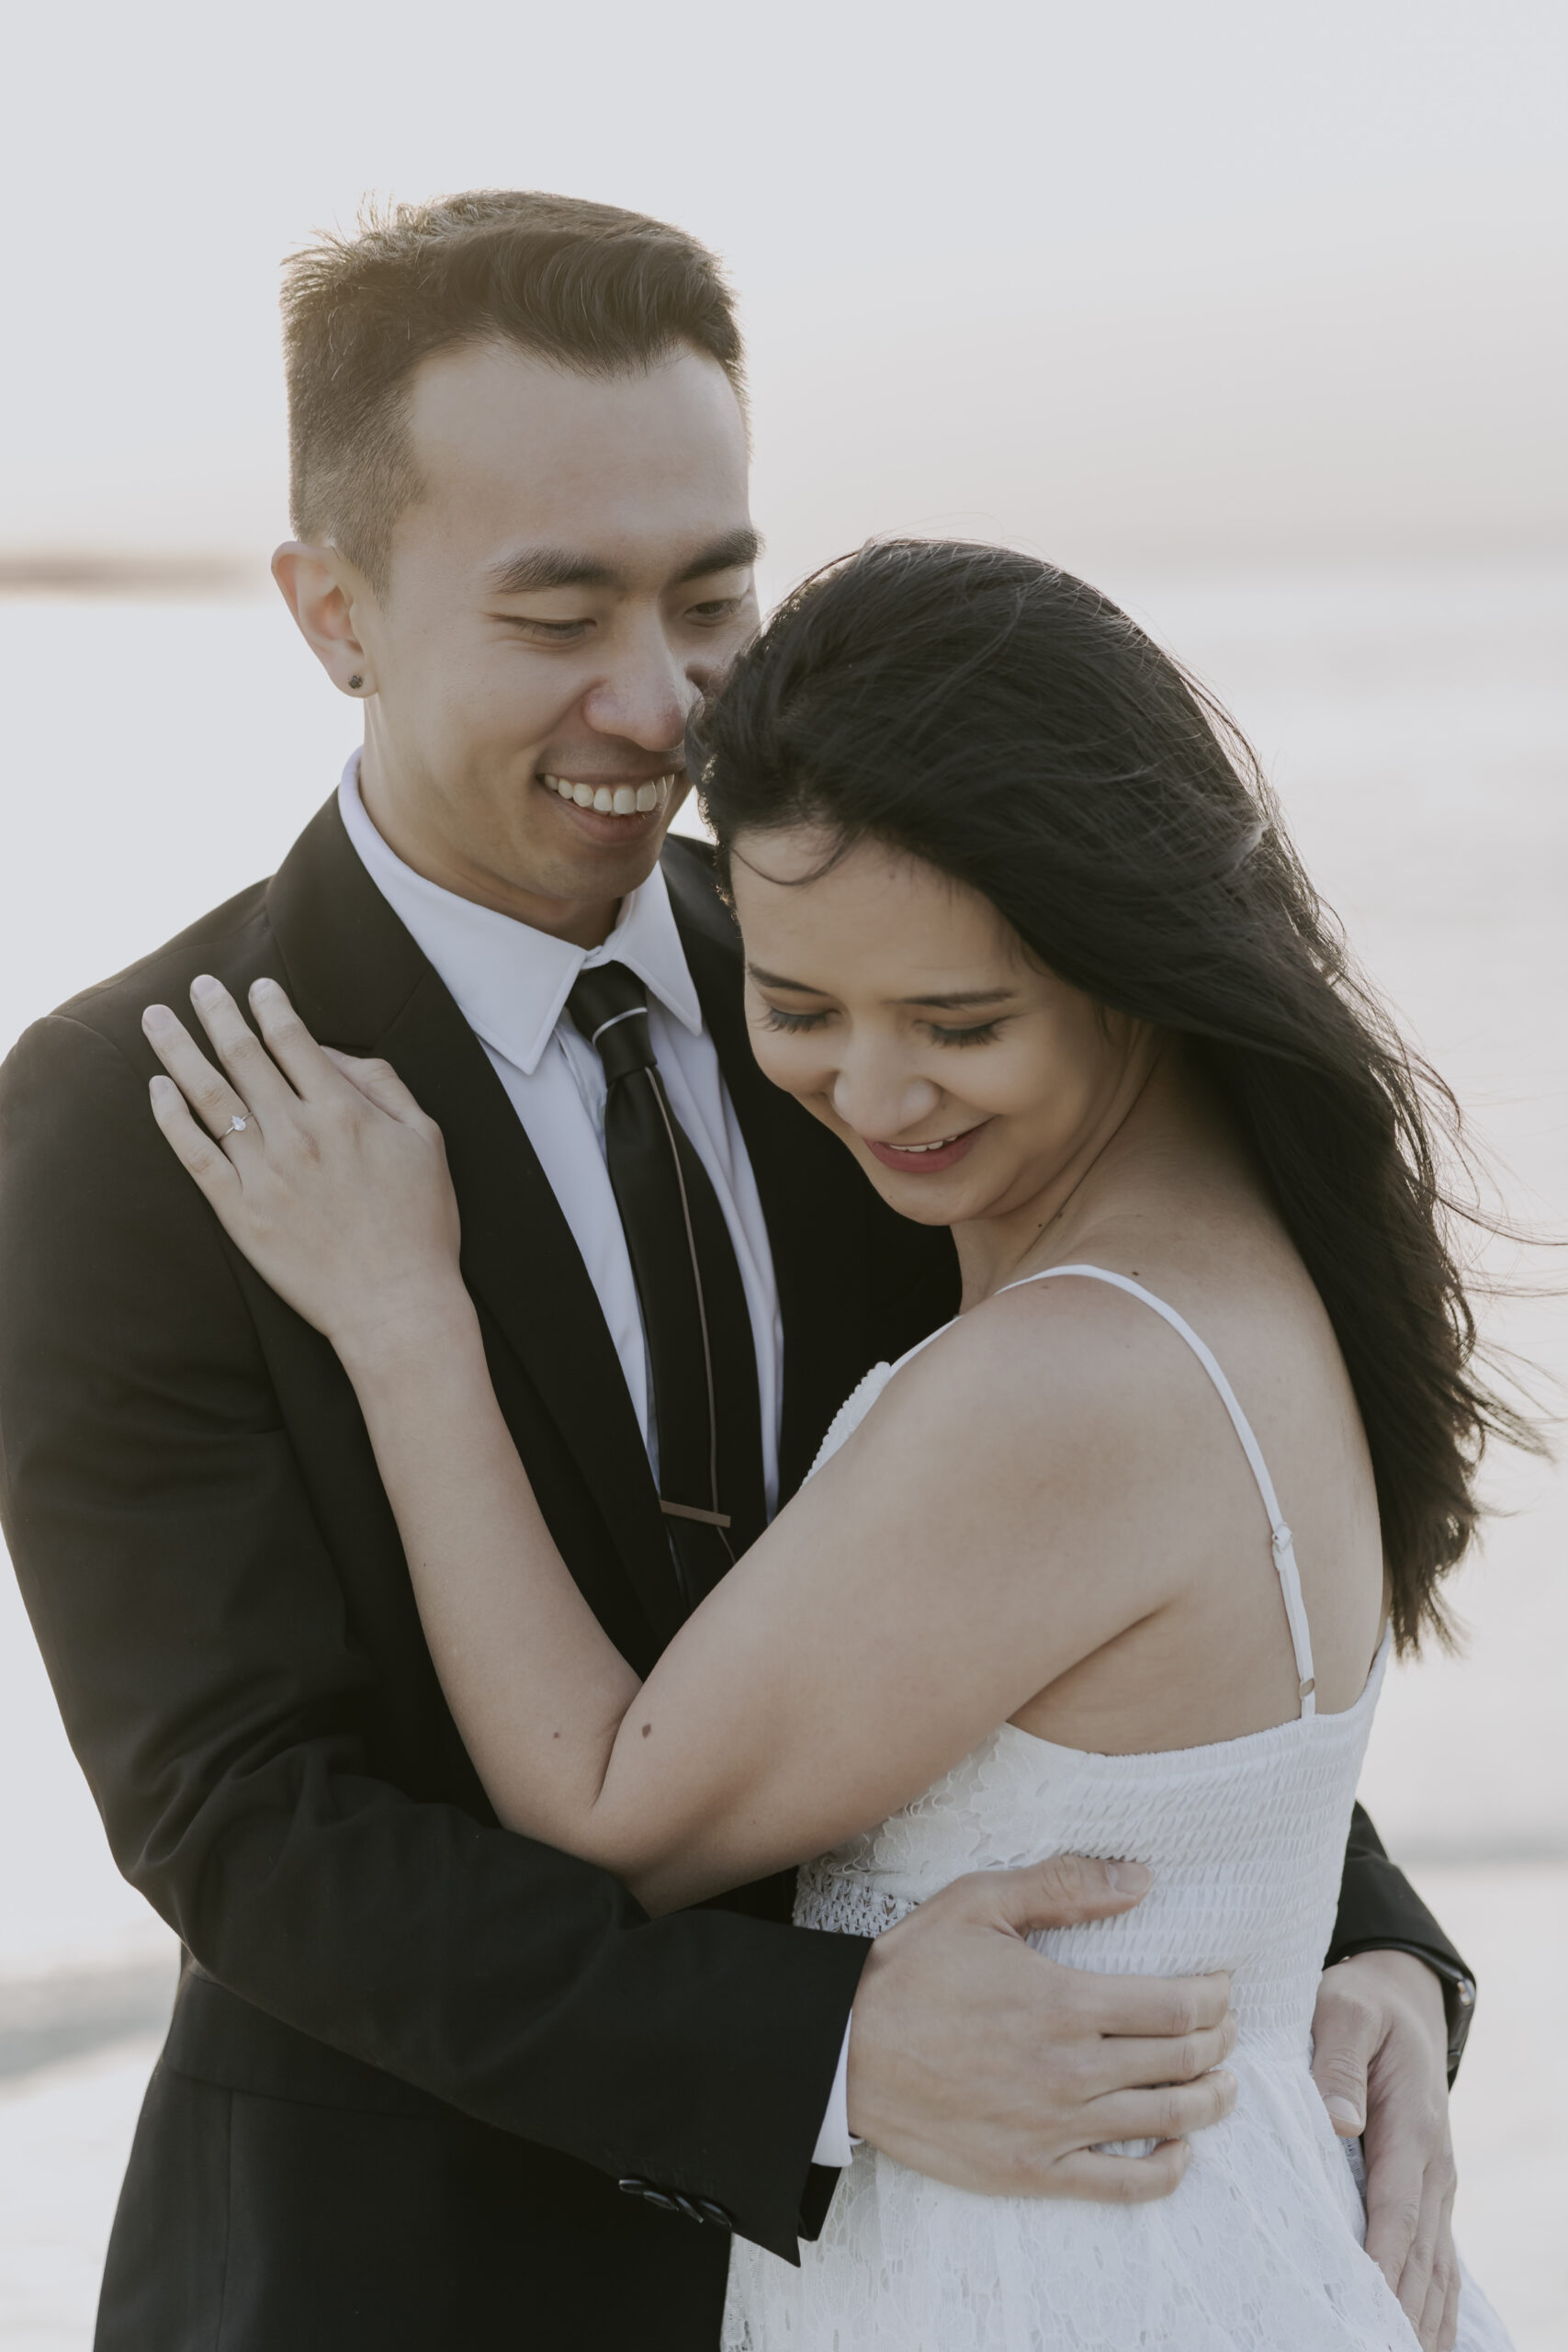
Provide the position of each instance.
(194, 1627)
(1381, 1911)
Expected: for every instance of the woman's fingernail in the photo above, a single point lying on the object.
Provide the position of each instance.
(1347, 2119)
(1129, 1878)
(156, 1016)
(264, 987)
(204, 986)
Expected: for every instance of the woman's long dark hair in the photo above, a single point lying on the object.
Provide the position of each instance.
(1007, 725)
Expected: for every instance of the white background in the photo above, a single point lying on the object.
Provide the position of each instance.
(1253, 313)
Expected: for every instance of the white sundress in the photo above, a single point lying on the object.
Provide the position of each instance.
(1259, 2247)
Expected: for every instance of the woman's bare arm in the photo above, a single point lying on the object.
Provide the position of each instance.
(760, 1737)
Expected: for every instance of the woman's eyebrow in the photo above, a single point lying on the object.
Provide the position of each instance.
(958, 1001)
(962, 998)
(777, 981)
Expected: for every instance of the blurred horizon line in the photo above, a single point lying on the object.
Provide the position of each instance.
(71, 570)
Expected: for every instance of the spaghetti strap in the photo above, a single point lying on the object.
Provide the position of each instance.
(1283, 1544)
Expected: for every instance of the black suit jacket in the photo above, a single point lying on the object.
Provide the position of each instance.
(216, 1581)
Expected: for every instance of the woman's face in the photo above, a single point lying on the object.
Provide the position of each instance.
(899, 1008)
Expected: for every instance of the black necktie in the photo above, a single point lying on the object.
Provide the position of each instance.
(694, 1307)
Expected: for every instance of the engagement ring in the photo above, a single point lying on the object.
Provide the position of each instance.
(237, 1125)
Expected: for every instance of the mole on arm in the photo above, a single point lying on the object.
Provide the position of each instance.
(646, 1729)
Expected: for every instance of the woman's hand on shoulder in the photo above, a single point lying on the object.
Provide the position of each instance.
(322, 1168)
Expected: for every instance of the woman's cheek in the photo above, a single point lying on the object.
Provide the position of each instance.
(790, 1063)
(1014, 1081)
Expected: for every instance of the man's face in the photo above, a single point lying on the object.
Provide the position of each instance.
(576, 575)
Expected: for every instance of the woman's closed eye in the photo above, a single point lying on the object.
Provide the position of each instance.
(980, 1033)
(793, 1024)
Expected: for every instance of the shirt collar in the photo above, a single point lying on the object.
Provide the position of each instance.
(509, 981)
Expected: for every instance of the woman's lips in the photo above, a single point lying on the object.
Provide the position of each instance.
(925, 1160)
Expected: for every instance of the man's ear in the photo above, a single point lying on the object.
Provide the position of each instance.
(326, 593)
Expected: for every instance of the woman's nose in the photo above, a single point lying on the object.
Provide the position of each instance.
(879, 1096)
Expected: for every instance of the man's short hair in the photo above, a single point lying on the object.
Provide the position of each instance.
(586, 286)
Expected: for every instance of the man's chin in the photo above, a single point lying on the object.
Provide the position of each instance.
(586, 873)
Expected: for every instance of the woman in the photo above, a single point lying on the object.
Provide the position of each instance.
(1022, 928)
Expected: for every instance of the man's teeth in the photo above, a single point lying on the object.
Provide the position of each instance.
(614, 800)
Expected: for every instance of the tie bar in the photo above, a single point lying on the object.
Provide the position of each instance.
(685, 1510)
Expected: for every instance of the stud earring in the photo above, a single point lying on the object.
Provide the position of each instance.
(356, 682)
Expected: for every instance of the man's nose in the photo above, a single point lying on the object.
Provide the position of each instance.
(647, 695)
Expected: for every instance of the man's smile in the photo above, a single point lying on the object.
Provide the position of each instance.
(613, 796)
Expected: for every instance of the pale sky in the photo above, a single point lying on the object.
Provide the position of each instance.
(1138, 279)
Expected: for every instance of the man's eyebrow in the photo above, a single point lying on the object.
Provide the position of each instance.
(734, 552)
(533, 571)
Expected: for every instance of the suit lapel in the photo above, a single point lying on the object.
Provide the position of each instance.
(359, 982)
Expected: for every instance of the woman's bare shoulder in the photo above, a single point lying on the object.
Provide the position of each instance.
(1053, 1377)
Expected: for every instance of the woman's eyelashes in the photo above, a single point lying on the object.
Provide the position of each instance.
(980, 1033)
(791, 1025)
(795, 1024)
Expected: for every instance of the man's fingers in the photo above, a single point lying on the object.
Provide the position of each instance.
(1442, 2292)
(1130, 2061)
(1064, 1890)
(207, 1092)
(1347, 2036)
(1166, 2005)
(1431, 2261)
(1121, 2180)
(1446, 2334)
(1171, 2112)
(196, 1151)
(1414, 2282)
(1394, 2211)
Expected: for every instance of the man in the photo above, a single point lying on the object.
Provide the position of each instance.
(415, 2062)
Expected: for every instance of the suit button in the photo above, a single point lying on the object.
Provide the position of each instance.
(674, 2200)
(634, 2187)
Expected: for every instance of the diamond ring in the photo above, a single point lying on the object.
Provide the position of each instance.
(237, 1125)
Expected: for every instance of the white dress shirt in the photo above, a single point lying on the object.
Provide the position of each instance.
(511, 984)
